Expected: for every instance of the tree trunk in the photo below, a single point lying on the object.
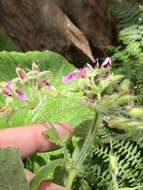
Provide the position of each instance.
(57, 25)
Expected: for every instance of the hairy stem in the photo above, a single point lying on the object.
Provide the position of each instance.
(65, 151)
(115, 182)
(87, 144)
(84, 151)
(70, 179)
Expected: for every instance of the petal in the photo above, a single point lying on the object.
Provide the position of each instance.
(49, 85)
(7, 89)
(9, 85)
(69, 77)
(107, 63)
(97, 64)
(21, 73)
(6, 92)
(21, 96)
(82, 73)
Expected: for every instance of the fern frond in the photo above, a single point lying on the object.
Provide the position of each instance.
(126, 12)
(130, 165)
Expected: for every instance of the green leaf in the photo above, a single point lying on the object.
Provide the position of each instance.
(52, 136)
(82, 129)
(12, 175)
(58, 109)
(44, 172)
(60, 175)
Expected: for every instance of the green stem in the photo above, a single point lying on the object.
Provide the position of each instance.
(83, 153)
(87, 144)
(115, 182)
(70, 179)
(66, 154)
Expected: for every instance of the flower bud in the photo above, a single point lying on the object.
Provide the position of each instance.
(110, 80)
(125, 85)
(136, 112)
(35, 67)
(123, 123)
(107, 63)
(21, 73)
(113, 164)
(107, 102)
(115, 78)
(124, 100)
(115, 122)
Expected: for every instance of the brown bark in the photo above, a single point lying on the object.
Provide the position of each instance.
(46, 24)
(90, 16)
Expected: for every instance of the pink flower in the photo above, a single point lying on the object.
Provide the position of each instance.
(21, 96)
(107, 63)
(68, 78)
(8, 89)
(82, 73)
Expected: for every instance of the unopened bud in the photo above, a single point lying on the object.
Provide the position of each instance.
(116, 78)
(113, 164)
(125, 85)
(123, 123)
(136, 112)
(35, 67)
(117, 122)
(110, 80)
(21, 73)
(124, 100)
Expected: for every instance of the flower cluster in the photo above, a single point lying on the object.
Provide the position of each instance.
(13, 88)
(91, 80)
(107, 94)
(84, 72)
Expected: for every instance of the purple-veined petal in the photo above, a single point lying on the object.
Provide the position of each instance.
(49, 85)
(107, 63)
(21, 96)
(68, 78)
(7, 89)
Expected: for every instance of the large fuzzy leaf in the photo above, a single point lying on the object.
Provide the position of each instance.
(12, 175)
(57, 109)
